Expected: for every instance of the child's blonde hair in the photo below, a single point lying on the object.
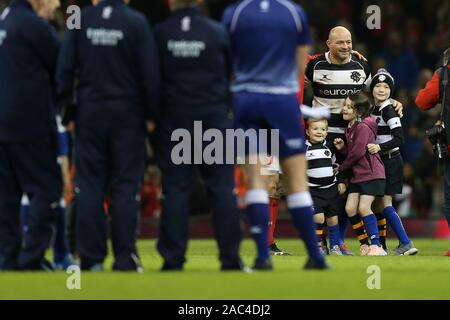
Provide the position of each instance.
(312, 120)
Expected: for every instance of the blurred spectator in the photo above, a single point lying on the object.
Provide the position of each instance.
(401, 61)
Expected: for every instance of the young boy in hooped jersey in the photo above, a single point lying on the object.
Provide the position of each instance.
(323, 185)
(389, 139)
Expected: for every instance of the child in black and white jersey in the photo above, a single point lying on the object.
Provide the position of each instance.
(388, 142)
(323, 185)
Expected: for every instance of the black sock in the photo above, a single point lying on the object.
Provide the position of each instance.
(358, 226)
(319, 233)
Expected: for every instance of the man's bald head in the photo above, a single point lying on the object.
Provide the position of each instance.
(339, 32)
(340, 44)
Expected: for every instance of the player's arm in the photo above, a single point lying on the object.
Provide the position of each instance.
(149, 74)
(302, 54)
(40, 35)
(63, 155)
(303, 41)
(65, 74)
(398, 106)
(64, 161)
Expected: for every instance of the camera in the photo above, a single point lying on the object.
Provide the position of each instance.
(438, 139)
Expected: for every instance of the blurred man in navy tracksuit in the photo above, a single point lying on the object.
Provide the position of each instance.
(114, 57)
(195, 70)
(28, 137)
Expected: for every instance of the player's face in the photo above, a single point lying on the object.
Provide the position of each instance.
(341, 45)
(47, 8)
(317, 131)
(381, 91)
(348, 113)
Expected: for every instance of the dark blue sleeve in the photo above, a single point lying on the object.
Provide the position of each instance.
(44, 41)
(227, 52)
(304, 35)
(227, 17)
(67, 66)
(148, 67)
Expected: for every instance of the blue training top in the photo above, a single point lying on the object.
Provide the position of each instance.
(264, 37)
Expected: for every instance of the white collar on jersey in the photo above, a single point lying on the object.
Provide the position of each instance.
(384, 104)
(327, 56)
(308, 143)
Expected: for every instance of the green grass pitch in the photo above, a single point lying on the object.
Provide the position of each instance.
(425, 276)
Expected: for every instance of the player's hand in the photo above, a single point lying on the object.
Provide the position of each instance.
(359, 55)
(338, 143)
(373, 148)
(342, 188)
(398, 106)
(150, 126)
(70, 127)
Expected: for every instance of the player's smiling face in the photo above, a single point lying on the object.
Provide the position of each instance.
(340, 44)
(348, 113)
(317, 131)
(381, 92)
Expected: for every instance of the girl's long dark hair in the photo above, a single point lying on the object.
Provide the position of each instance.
(361, 104)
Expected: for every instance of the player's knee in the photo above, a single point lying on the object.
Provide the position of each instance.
(364, 208)
(351, 209)
(319, 218)
(387, 202)
(332, 221)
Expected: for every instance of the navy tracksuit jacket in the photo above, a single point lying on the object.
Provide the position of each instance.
(195, 69)
(114, 58)
(28, 142)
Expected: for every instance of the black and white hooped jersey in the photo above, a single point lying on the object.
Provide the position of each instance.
(389, 132)
(320, 165)
(332, 83)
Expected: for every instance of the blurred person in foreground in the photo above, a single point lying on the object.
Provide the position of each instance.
(195, 71)
(267, 68)
(114, 57)
(28, 137)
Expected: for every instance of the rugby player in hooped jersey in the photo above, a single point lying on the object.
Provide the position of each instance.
(333, 76)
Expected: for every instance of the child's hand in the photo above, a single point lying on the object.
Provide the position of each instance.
(373, 148)
(342, 188)
(335, 168)
(338, 143)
